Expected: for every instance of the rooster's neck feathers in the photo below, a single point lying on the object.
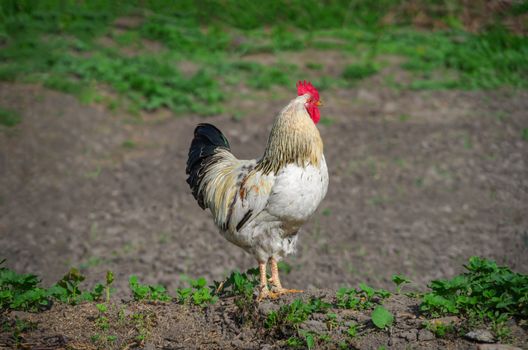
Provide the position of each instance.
(294, 139)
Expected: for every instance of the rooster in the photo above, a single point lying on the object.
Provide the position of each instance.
(260, 204)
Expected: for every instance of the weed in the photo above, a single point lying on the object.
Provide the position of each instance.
(355, 72)
(501, 331)
(291, 315)
(314, 66)
(364, 298)
(294, 342)
(102, 308)
(21, 291)
(102, 322)
(327, 212)
(327, 121)
(468, 144)
(67, 290)
(404, 117)
(143, 323)
(524, 134)
(284, 267)
(309, 339)
(55, 44)
(129, 144)
(9, 117)
(439, 329)
(378, 201)
(95, 338)
(331, 321)
(198, 293)
(486, 291)
(400, 281)
(381, 317)
(239, 284)
(147, 292)
(92, 175)
(306, 339)
(19, 327)
(352, 330)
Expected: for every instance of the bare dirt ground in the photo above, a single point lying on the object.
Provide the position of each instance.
(419, 182)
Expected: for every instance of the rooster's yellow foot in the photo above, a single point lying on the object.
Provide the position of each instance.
(267, 294)
(280, 291)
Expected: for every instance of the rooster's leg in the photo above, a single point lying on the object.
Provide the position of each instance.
(264, 290)
(275, 280)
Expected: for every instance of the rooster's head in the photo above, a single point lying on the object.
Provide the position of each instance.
(313, 102)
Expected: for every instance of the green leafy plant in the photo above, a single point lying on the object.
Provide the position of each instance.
(352, 330)
(485, 291)
(143, 323)
(331, 321)
(306, 340)
(291, 315)
(68, 290)
(439, 329)
(400, 281)
(239, 283)
(147, 292)
(198, 293)
(381, 317)
(364, 298)
(21, 291)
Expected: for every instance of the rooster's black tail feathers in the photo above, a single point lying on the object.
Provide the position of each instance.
(207, 139)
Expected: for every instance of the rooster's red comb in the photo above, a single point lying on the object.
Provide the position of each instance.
(305, 87)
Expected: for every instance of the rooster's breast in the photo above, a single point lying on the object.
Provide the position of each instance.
(297, 192)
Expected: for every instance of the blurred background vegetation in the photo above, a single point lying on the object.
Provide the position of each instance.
(191, 56)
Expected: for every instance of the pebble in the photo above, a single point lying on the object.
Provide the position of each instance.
(481, 335)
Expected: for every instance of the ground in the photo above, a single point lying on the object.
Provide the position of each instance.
(419, 182)
(162, 325)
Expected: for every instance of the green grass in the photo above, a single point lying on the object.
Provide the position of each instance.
(9, 118)
(57, 44)
(355, 72)
(489, 60)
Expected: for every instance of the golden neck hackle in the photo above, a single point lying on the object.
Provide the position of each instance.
(294, 139)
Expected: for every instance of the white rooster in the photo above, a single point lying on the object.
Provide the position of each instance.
(260, 205)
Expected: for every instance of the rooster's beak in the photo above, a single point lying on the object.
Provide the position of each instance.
(319, 103)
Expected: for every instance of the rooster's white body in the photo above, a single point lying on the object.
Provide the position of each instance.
(294, 195)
